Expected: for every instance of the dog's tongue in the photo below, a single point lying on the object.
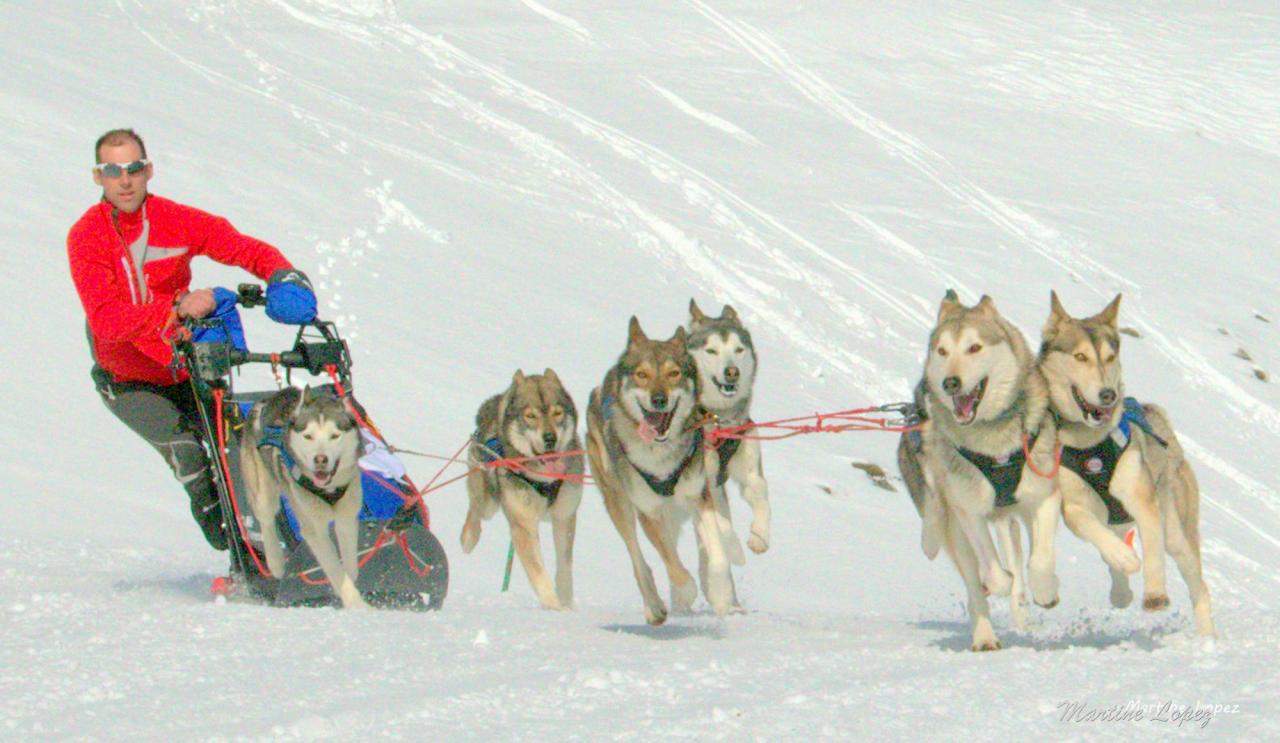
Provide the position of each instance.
(658, 423)
(965, 404)
(321, 477)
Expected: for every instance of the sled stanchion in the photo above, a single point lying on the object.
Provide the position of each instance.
(226, 469)
(511, 558)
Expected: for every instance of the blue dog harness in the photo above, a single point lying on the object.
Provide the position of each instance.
(492, 451)
(1097, 464)
(273, 438)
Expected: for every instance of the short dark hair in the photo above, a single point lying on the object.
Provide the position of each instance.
(117, 137)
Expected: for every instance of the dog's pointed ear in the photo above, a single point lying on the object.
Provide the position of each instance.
(1057, 315)
(986, 306)
(551, 376)
(729, 313)
(517, 378)
(696, 315)
(950, 305)
(1110, 313)
(302, 400)
(635, 334)
(680, 338)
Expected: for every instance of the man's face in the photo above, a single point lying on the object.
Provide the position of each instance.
(126, 192)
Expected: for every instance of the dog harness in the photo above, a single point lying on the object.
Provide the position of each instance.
(666, 487)
(727, 449)
(1004, 472)
(492, 452)
(1097, 464)
(273, 437)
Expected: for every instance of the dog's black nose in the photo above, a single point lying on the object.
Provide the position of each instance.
(951, 385)
(321, 460)
(1107, 396)
(731, 374)
(659, 400)
(549, 439)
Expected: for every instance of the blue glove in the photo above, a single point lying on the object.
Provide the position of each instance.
(230, 330)
(290, 299)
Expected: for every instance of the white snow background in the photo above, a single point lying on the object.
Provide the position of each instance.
(477, 187)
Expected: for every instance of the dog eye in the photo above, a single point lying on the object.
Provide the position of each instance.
(1081, 358)
(975, 348)
(673, 374)
(333, 437)
(739, 350)
(1111, 358)
(308, 437)
(942, 351)
(712, 352)
(643, 376)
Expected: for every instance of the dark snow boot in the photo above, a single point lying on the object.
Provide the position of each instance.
(208, 514)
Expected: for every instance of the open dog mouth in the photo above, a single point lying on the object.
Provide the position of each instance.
(1094, 415)
(659, 421)
(728, 389)
(322, 477)
(966, 405)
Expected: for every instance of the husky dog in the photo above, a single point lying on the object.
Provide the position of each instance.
(726, 361)
(306, 444)
(1121, 463)
(986, 453)
(644, 439)
(534, 417)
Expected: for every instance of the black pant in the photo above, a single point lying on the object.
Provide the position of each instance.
(166, 417)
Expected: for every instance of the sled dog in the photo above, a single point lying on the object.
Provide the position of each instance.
(726, 361)
(1121, 463)
(534, 416)
(985, 454)
(306, 444)
(645, 443)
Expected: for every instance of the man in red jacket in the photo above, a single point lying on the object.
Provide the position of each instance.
(130, 258)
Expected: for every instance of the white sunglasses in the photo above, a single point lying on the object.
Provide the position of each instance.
(115, 170)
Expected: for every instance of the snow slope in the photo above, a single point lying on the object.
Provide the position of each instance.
(482, 186)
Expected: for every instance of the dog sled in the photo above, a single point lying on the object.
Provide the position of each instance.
(402, 564)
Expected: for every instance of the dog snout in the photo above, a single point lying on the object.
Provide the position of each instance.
(549, 439)
(658, 400)
(731, 374)
(1107, 396)
(951, 385)
(321, 461)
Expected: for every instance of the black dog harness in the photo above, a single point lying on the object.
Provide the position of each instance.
(493, 452)
(1097, 464)
(1004, 472)
(273, 437)
(666, 487)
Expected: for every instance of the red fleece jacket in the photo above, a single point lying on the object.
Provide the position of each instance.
(125, 321)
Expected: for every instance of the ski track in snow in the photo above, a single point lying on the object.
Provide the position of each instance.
(705, 117)
(575, 28)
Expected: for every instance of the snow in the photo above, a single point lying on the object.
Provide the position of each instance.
(483, 186)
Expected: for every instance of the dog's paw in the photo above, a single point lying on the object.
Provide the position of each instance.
(683, 596)
(655, 615)
(1121, 594)
(1044, 588)
(1123, 559)
(985, 645)
(759, 543)
(470, 536)
(998, 583)
(1155, 602)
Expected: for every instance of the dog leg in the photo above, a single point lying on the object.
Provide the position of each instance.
(1187, 558)
(664, 534)
(346, 527)
(966, 562)
(728, 536)
(1043, 576)
(1089, 524)
(524, 535)
(562, 531)
(719, 586)
(623, 515)
(736, 606)
(1139, 500)
(477, 494)
(747, 470)
(264, 500)
(315, 530)
(1121, 594)
(994, 577)
(1009, 534)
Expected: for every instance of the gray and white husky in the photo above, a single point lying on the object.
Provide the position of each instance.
(984, 456)
(1121, 463)
(645, 443)
(534, 416)
(726, 359)
(306, 444)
